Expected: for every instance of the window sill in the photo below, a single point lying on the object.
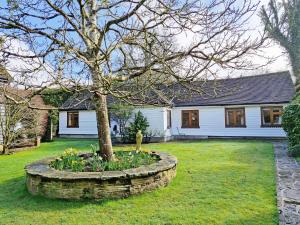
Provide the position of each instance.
(190, 127)
(72, 127)
(270, 126)
(235, 126)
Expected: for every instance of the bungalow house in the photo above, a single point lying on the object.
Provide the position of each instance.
(240, 107)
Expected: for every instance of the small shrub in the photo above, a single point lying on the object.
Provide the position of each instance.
(95, 164)
(294, 151)
(139, 123)
(126, 160)
(78, 165)
(94, 148)
(69, 160)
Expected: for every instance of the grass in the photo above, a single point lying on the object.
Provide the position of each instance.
(218, 182)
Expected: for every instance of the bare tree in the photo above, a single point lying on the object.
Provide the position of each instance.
(282, 23)
(17, 122)
(10, 116)
(128, 49)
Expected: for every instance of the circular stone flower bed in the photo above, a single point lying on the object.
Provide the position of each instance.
(43, 180)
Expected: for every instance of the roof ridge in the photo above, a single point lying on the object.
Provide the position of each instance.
(284, 72)
(270, 88)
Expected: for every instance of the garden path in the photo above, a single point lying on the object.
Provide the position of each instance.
(288, 185)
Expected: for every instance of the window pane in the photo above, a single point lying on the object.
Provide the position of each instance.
(277, 110)
(230, 118)
(240, 121)
(185, 119)
(69, 120)
(271, 116)
(169, 123)
(194, 119)
(73, 119)
(190, 118)
(276, 119)
(266, 116)
(235, 117)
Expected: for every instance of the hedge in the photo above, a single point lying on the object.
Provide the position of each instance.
(291, 124)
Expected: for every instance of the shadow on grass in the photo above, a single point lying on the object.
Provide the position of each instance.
(14, 195)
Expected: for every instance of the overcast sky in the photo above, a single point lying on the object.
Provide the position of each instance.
(281, 61)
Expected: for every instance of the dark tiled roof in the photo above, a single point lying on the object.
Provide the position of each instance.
(79, 101)
(260, 89)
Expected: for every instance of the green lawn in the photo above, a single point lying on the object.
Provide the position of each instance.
(218, 182)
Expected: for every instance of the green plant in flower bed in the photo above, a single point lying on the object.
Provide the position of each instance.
(127, 160)
(70, 160)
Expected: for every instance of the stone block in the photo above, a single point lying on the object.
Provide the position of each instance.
(48, 182)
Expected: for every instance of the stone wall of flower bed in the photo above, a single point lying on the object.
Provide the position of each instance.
(45, 181)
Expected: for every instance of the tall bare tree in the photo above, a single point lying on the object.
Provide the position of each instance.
(17, 120)
(282, 23)
(128, 49)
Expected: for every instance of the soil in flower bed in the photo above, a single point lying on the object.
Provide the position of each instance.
(92, 162)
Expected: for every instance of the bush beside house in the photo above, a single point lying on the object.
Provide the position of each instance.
(140, 122)
(291, 124)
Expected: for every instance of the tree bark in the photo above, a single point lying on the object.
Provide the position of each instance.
(5, 149)
(295, 63)
(105, 145)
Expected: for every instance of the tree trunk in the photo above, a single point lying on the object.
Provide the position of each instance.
(105, 144)
(296, 72)
(295, 62)
(4, 147)
(5, 150)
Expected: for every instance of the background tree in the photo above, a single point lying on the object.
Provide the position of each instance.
(121, 113)
(282, 23)
(17, 122)
(128, 49)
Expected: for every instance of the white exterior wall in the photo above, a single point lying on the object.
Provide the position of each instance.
(88, 125)
(211, 119)
(168, 132)
(157, 118)
(212, 123)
